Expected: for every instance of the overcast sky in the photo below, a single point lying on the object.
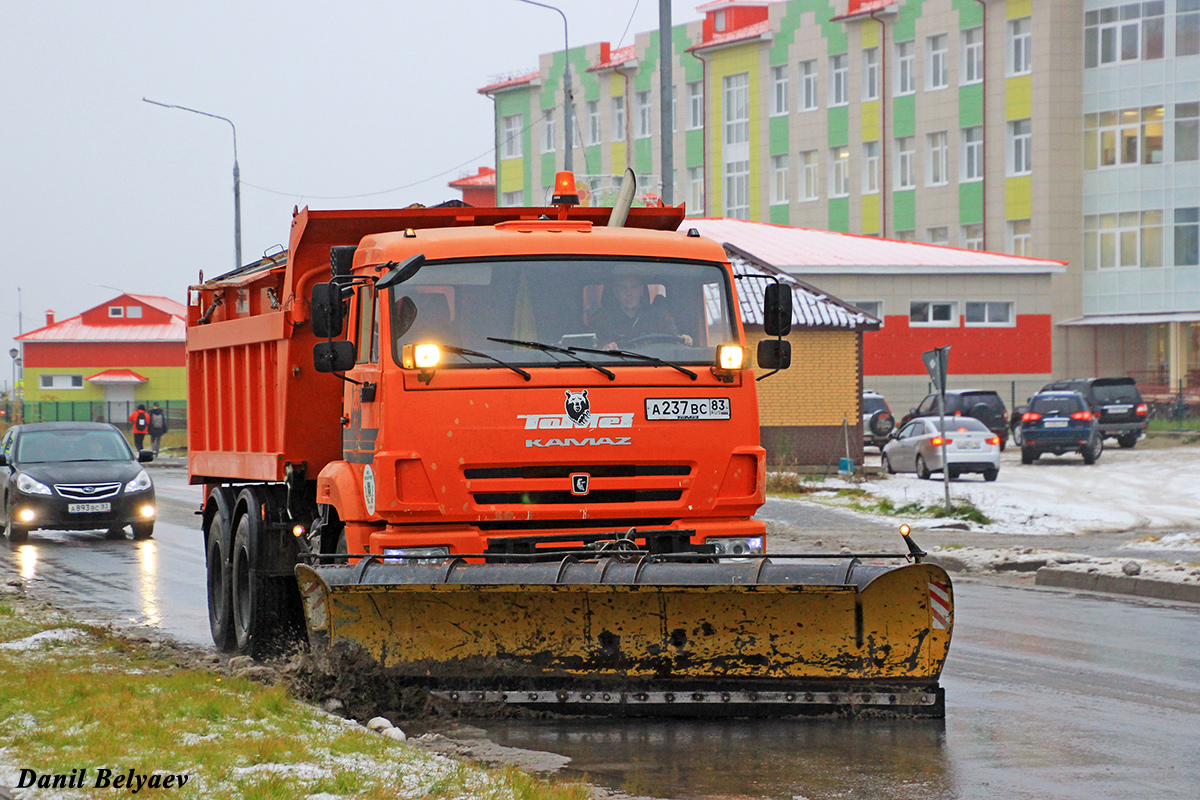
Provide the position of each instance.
(98, 189)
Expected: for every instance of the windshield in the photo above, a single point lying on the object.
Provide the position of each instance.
(963, 424)
(35, 447)
(873, 404)
(678, 312)
(1056, 404)
(1116, 393)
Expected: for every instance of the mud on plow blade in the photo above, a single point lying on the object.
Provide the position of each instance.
(648, 635)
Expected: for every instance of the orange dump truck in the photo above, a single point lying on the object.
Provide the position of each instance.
(513, 455)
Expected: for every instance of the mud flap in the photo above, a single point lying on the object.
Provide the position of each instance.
(610, 633)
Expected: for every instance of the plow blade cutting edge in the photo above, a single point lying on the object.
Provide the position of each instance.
(625, 637)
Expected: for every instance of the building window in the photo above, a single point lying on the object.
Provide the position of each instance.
(1129, 239)
(779, 179)
(839, 75)
(50, 381)
(905, 167)
(1187, 237)
(1187, 27)
(972, 236)
(695, 93)
(906, 236)
(547, 131)
(719, 21)
(1020, 147)
(870, 167)
(839, 172)
(779, 91)
(926, 312)
(116, 312)
(870, 85)
(988, 313)
(511, 127)
(971, 168)
(1020, 40)
(618, 118)
(737, 190)
(1127, 32)
(1129, 136)
(1018, 237)
(935, 76)
(808, 85)
(872, 307)
(1187, 131)
(906, 81)
(939, 235)
(972, 60)
(809, 188)
(737, 108)
(133, 312)
(939, 159)
(695, 190)
(593, 112)
(643, 114)
(516, 198)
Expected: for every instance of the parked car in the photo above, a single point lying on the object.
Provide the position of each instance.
(1116, 403)
(982, 404)
(917, 447)
(1060, 422)
(73, 476)
(878, 421)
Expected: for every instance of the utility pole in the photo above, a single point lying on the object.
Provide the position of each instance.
(666, 94)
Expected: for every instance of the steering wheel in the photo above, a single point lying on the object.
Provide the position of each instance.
(648, 338)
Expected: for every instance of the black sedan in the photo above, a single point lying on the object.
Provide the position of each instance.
(73, 476)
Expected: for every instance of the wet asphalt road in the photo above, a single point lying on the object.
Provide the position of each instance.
(1050, 694)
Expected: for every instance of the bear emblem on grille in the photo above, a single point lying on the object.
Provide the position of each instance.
(579, 409)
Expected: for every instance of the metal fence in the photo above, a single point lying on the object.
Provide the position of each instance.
(116, 412)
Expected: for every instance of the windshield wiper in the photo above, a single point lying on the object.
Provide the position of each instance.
(549, 348)
(640, 356)
(462, 351)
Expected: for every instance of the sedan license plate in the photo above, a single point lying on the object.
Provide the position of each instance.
(687, 408)
(1056, 423)
(88, 508)
(969, 444)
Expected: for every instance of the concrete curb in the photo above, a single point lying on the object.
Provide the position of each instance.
(1118, 584)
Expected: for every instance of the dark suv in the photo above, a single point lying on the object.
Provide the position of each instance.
(1059, 422)
(982, 404)
(1116, 402)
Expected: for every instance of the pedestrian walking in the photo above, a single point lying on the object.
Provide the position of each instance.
(140, 420)
(158, 426)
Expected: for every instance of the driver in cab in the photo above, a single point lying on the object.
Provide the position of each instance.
(627, 315)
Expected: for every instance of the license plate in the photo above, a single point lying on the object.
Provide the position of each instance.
(88, 508)
(1117, 409)
(1056, 423)
(968, 445)
(678, 408)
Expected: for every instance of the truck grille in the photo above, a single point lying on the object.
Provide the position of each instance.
(87, 491)
(549, 484)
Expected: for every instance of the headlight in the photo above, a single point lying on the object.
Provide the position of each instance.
(139, 484)
(396, 555)
(730, 357)
(420, 356)
(27, 485)
(738, 546)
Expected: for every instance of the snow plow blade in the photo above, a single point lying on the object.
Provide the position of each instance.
(652, 636)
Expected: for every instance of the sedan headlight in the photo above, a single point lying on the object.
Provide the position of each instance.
(27, 485)
(139, 484)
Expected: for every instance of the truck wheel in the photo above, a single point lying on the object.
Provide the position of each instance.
(266, 608)
(220, 598)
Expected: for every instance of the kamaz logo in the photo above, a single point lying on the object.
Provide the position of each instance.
(591, 441)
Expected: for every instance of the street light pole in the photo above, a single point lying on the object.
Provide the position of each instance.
(237, 178)
(568, 106)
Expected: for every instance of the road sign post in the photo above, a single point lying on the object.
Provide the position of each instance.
(936, 362)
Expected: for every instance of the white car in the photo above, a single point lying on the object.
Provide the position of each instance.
(917, 447)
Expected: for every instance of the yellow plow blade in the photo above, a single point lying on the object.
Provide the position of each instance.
(809, 637)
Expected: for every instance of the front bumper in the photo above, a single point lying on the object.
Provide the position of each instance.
(51, 512)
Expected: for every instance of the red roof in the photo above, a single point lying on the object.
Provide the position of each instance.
(485, 177)
(613, 58)
(510, 83)
(117, 376)
(754, 31)
(75, 329)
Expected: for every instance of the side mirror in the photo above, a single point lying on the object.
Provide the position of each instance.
(402, 272)
(145, 456)
(337, 356)
(777, 310)
(774, 354)
(3, 460)
(327, 310)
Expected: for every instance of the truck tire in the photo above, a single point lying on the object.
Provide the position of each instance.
(266, 608)
(220, 596)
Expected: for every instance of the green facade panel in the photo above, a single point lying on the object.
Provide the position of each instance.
(970, 203)
(904, 116)
(781, 214)
(904, 210)
(779, 136)
(839, 214)
(643, 156)
(838, 121)
(694, 143)
(970, 105)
